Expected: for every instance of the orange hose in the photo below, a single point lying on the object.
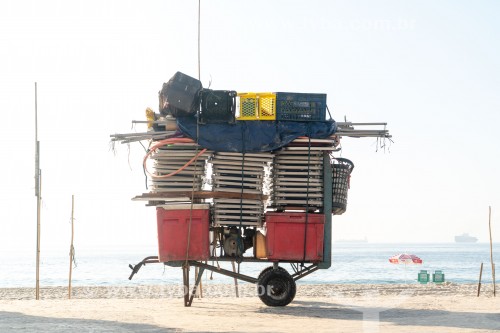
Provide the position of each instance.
(166, 142)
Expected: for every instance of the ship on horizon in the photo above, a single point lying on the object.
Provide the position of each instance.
(465, 238)
(364, 240)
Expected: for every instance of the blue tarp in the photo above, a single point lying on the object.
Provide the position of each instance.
(253, 136)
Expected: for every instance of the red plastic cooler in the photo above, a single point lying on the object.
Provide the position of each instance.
(285, 236)
(173, 226)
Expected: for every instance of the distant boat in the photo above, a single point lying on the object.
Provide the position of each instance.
(364, 240)
(465, 238)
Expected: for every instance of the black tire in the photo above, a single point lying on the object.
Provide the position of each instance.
(276, 287)
(268, 269)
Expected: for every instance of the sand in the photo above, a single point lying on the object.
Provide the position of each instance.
(316, 308)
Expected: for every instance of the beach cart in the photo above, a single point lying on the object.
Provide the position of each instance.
(192, 235)
(260, 186)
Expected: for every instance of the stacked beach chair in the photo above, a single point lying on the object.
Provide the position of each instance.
(242, 174)
(298, 175)
(172, 158)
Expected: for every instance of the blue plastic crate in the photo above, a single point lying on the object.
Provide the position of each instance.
(300, 106)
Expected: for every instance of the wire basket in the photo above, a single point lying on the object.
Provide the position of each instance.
(341, 175)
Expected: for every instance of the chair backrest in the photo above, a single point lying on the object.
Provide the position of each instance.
(438, 276)
(423, 276)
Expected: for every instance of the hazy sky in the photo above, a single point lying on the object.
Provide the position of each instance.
(431, 69)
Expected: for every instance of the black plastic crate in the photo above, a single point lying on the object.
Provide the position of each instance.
(300, 106)
(217, 106)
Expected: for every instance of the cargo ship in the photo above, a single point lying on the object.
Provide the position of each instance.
(352, 241)
(465, 238)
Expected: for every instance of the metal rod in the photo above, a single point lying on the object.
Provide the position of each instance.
(36, 113)
(352, 130)
(363, 134)
(359, 134)
(327, 206)
(159, 122)
(340, 124)
(125, 135)
(148, 260)
(123, 141)
(491, 255)
(71, 248)
(305, 272)
(226, 272)
(199, 39)
(249, 259)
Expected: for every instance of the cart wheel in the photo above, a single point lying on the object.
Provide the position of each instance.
(268, 269)
(276, 287)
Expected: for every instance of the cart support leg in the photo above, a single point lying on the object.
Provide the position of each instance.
(185, 278)
(235, 280)
(197, 282)
(327, 208)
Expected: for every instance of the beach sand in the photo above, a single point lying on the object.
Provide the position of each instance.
(316, 308)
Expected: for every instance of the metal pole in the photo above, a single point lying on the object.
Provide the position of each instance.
(71, 248)
(491, 256)
(327, 210)
(199, 39)
(38, 191)
(348, 123)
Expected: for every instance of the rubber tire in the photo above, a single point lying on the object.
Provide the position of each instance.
(268, 269)
(276, 287)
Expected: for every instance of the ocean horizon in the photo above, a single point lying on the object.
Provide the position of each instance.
(352, 263)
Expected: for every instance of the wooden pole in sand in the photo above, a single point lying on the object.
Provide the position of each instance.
(479, 283)
(38, 194)
(71, 248)
(493, 268)
(491, 256)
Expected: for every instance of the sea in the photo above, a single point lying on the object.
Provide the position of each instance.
(352, 263)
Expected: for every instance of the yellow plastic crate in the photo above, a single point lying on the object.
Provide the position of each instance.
(257, 106)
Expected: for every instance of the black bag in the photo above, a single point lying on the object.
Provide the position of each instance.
(180, 95)
(217, 106)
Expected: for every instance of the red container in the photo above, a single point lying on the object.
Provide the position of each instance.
(173, 229)
(285, 236)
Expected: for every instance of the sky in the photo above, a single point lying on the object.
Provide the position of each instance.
(430, 69)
